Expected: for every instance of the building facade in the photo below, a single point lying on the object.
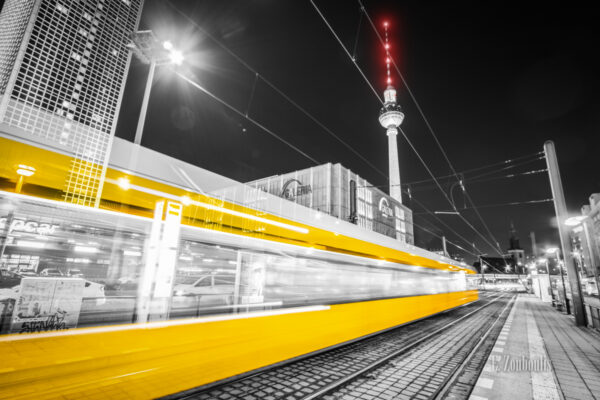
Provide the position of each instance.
(585, 243)
(339, 192)
(63, 66)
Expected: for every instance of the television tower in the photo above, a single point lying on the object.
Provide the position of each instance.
(390, 117)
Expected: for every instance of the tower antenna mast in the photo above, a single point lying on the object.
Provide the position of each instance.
(390, 117)
(388, 58)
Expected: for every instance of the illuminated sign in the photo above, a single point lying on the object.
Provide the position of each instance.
(385, 208)
(29, 226)
(294, 188)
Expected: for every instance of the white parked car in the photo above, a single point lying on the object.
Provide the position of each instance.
(210, 288)
(94, 290)
(51, 272)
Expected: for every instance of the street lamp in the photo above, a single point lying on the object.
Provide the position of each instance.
(544, 260)
(555, 251)
(149, 50)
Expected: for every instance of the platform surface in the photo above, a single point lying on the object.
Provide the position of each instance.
(541, 354)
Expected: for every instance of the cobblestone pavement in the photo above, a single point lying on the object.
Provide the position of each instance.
(422, 372)
(573, 351)
(300, 378)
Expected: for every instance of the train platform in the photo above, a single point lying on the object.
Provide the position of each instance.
(541, 354)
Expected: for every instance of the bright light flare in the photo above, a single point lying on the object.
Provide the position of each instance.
(551, 250)
(85, 249)
(574, 221)
(176, 57)
(186, 200)
(25, 170)
(167, 45)
(123, 183)
(31, 245)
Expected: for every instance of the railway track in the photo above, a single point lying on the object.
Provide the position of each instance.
(425, 359)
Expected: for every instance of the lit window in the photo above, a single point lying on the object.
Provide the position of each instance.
(115, 52)
(76, 56)
(66, 104)
(82, 32)
(87, 16)
(62, 8)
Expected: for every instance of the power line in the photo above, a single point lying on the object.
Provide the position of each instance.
(276, 89)
(512, 203)
(442, 237)
(507, 176)
(241, 114)
(508, 167)
(466, 171)
(346, 50)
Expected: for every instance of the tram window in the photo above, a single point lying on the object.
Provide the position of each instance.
(203, 281)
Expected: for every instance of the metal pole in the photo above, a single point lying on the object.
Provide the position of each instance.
(562, 277)
(140, 126)
(444, 246)
(482, 273)
(550, 282)
(533, 243)
(560, 207)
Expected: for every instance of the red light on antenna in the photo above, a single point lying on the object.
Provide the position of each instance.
(387, 60)
(385, 23)
(387, 46)
(389, 81)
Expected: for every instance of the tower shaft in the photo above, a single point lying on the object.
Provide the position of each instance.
(394, 165)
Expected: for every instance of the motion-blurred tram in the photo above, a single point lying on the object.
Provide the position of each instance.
(180, 278)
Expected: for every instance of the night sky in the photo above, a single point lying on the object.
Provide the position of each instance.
(494, 81)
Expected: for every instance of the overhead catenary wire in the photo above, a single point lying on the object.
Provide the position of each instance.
(492, 178)
(466, 171)
(258, 75)
(512, 203)
(241, 114)
(447, 241)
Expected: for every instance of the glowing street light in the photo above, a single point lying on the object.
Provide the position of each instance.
(149, 50)
(574, 221)
(551, 250)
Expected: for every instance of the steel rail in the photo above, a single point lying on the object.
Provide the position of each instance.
(348, 378)
(443, 390)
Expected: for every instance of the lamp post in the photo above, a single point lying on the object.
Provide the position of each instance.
(555, 251)
(544, 260)
(560, 207)
(149, 50)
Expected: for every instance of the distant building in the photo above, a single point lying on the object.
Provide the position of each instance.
(515, 250)
(513, 262)
(63, 66)
(337, 191)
